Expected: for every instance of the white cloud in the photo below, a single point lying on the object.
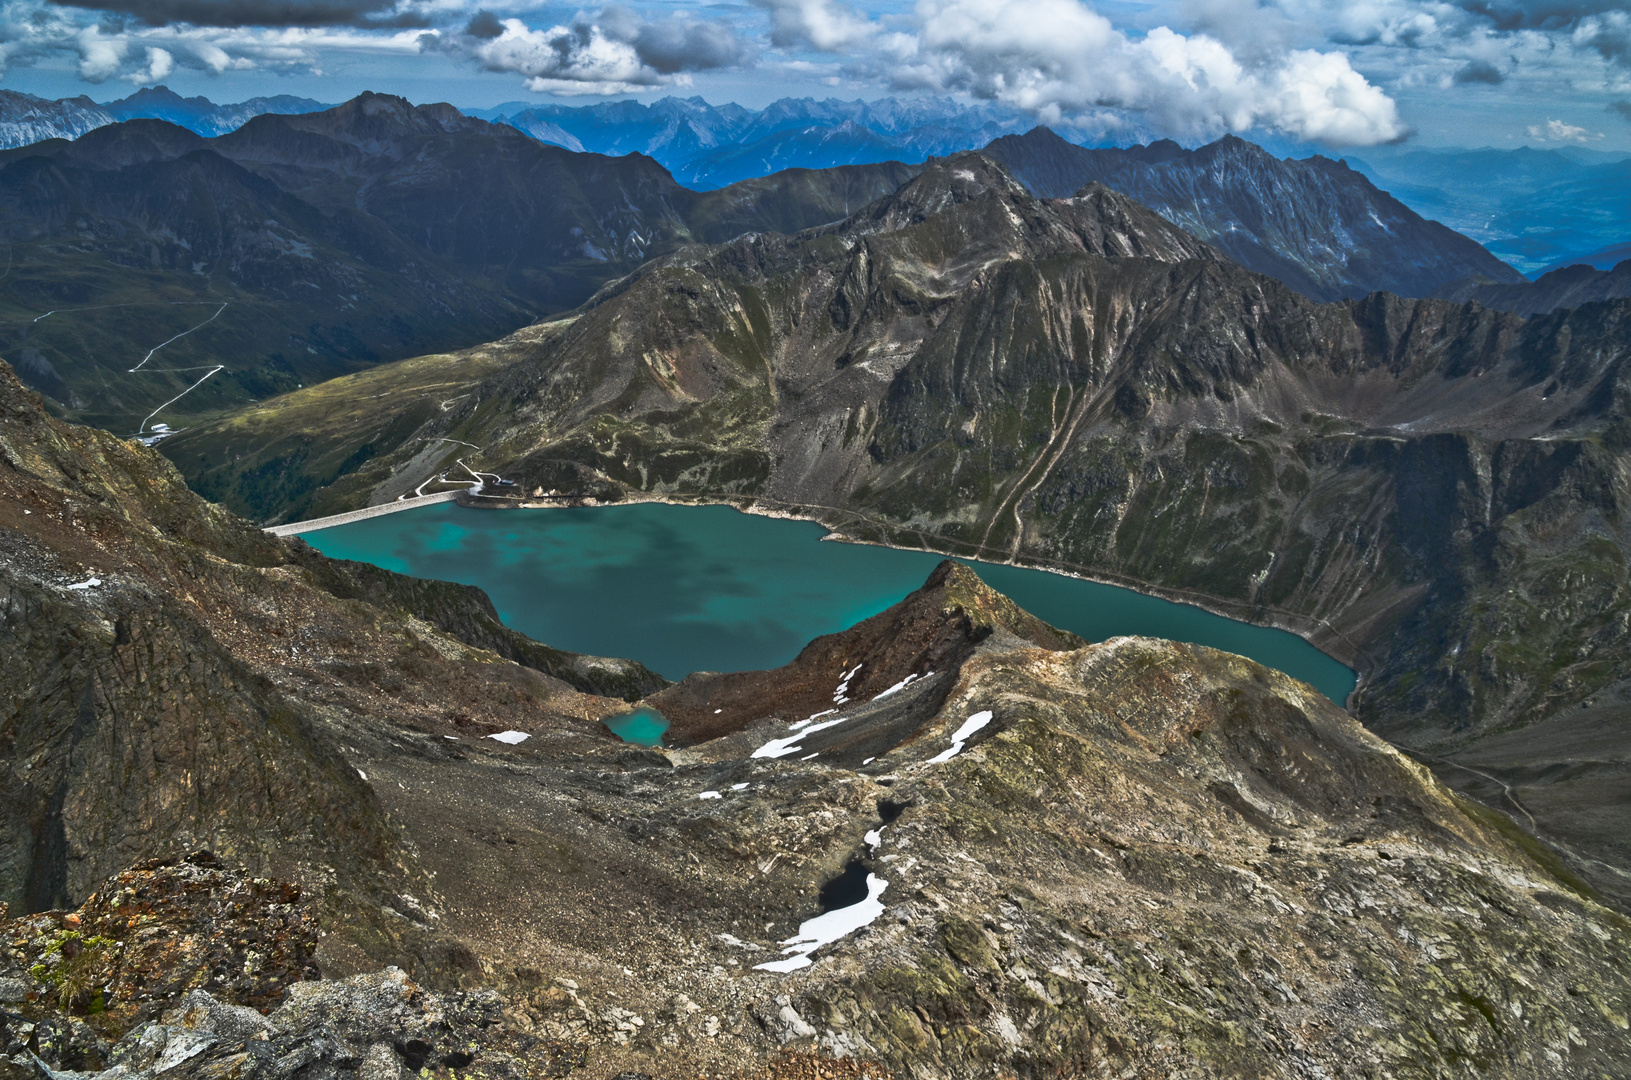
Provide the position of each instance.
(1558, 131)
(618, 52)
(823, 25)
(100, 56)
(31, 33)
(1320, 96)
(560, 59)
(1608, 33)
(160, 63)
(1060, 59)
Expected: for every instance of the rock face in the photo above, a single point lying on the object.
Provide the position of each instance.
(1434, 493)
(905, 653)
(158, 931)
(171, 969)
(1315, 224)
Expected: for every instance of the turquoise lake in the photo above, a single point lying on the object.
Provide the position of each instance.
(707, 588)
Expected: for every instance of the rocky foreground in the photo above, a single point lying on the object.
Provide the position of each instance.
(1058, 858)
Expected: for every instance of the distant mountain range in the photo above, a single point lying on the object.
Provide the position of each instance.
(1538, 210)
(707, 146)
(378, 230)
(26, 119)
(1535, 209)
(1567, 287)
(1315, 224)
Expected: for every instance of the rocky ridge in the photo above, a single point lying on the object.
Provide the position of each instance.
(175, 679)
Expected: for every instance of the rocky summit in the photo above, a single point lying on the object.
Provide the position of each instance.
(257, 826)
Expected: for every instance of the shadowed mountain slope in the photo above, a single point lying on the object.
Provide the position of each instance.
(178, 679)
(337, 239)
(1315, 224)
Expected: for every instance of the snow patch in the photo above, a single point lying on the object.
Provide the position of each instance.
(962, 735)
(875, 838)
(710, 795)
(88, 583)
(776, 748)
(843, 683)
(510, 738)
(739, 787)
(825, 929)
(903, 684)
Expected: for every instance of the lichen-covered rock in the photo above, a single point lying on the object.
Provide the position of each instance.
(162, 928)
(81, 979)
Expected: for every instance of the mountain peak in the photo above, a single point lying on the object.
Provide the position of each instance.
(117, 145)
(374, 123)
(159, 102)
(943, 183)
(1233, 145)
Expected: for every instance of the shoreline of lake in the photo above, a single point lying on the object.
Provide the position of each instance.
(708, 566)
(1288, 620)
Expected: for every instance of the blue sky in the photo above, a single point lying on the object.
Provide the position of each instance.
(1337, 73)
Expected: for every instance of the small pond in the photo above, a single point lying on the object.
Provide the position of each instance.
(642, 727)
(707, 588)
